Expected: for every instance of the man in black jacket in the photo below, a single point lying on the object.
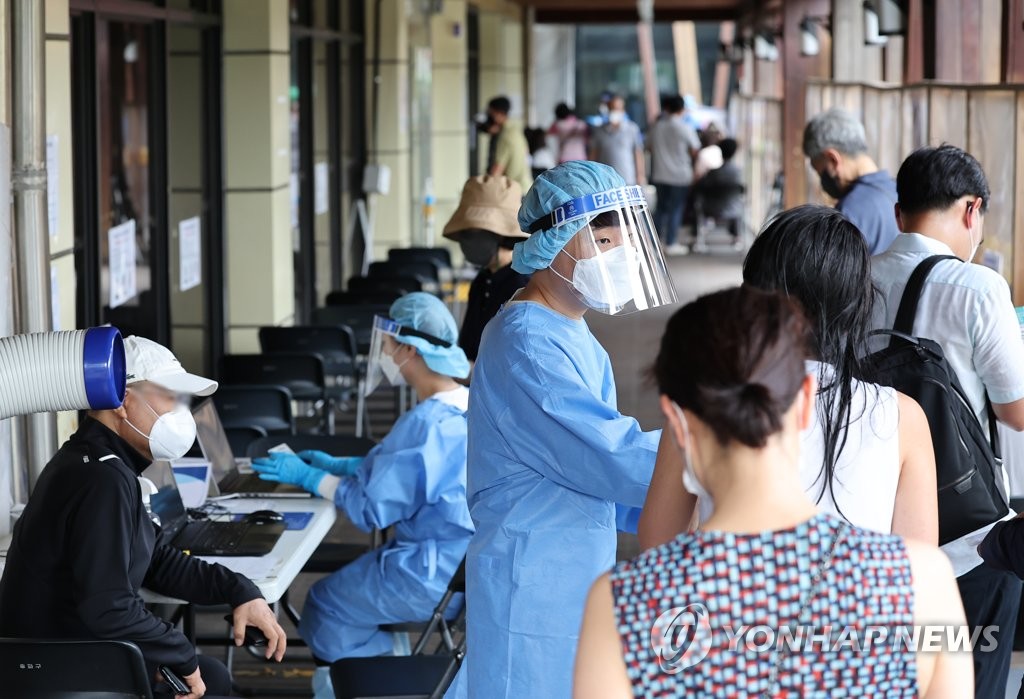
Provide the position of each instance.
(85, 544)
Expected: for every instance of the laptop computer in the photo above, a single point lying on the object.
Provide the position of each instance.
(204, 538)
(226, 478)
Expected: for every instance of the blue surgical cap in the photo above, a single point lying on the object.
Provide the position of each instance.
(428, 314)
(555, 187)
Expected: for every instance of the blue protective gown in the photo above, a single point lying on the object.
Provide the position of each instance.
(415, 480)
(549, 458)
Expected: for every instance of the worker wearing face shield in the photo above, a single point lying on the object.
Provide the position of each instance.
(554, 468)
(485, 227)
(413, 482)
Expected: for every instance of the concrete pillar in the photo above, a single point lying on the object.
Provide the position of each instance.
(185, 193)
(390, 124)
(63, 280)
(501, 61)
(450, 128)
(258, 238)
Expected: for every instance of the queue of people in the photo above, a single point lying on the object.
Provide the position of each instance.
(788, 489)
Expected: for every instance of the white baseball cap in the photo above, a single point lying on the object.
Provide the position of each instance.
(146, 360)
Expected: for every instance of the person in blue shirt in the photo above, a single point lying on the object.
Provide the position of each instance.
(836, 145)
(554, 466)
(413, 481)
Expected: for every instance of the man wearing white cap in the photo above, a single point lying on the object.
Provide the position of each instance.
(85, 544)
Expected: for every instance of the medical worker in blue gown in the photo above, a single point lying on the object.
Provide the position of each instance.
(414, 480)
(553, 465)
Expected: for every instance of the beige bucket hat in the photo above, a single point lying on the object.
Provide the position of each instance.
(490, 204)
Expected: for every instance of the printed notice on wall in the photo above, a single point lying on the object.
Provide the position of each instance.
(321, 180)
(53, 185)
(121, 244)
(190, 253)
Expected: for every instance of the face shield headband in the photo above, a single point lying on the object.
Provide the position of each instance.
(619, 266)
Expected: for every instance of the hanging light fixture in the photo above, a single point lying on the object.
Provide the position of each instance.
(892, 17)
(872, 33)
(810, 42)
(765, 48)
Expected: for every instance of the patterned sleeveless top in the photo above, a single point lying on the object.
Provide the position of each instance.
(716, 614)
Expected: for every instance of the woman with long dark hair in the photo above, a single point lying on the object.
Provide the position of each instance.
(770, 597)
(867, 454)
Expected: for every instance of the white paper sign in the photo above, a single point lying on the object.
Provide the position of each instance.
(322, 180)
(190, 253)
(121, 244)
(53, 185)
(54, 299)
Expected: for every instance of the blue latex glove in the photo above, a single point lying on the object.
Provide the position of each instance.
(334, 465)
(288, 468)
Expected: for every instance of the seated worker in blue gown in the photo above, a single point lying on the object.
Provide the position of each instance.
(414, 481)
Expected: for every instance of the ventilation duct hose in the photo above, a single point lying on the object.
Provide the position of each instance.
(70, 370)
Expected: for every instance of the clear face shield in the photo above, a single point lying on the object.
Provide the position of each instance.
(614, 263)
(381, 363)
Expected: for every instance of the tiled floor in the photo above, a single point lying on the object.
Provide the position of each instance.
(631, 341)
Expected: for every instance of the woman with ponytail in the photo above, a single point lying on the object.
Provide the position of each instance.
(772, 596)
(866, 455)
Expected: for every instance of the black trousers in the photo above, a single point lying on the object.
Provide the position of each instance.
(215, 676)
(991, 598)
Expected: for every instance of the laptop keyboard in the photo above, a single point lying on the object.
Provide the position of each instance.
(247, 483)
(217, 536)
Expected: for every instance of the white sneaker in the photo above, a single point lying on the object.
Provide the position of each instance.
(677, 249)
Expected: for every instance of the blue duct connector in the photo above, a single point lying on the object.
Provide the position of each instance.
(70, 370)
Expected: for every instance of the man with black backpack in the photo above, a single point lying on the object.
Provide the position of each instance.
(976, 362)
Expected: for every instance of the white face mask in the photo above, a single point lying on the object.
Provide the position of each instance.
(392, 370)
(616, 117)
(172, 435)
(620, 263)
(690, 480)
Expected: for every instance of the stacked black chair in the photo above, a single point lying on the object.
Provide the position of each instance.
(427, 272)
(396, 283)
(357, 318)
(442, 256)
(71, 669)
(266, 407)
(363, 298)
(241, 437)
(336, 346)
(302, 373)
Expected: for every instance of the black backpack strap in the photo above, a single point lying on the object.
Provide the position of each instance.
(912, 294)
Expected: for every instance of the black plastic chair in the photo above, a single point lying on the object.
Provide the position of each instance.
(416, 676)
(358, 318)
(362, 298)
(267, 407)
(400, 284)
(241, 437)
(302, 373)
(336, 345)
(442, 256)
(427, 272)
(72, 669)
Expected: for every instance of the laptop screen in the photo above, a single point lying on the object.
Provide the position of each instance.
(166, 502)
(213, 440)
